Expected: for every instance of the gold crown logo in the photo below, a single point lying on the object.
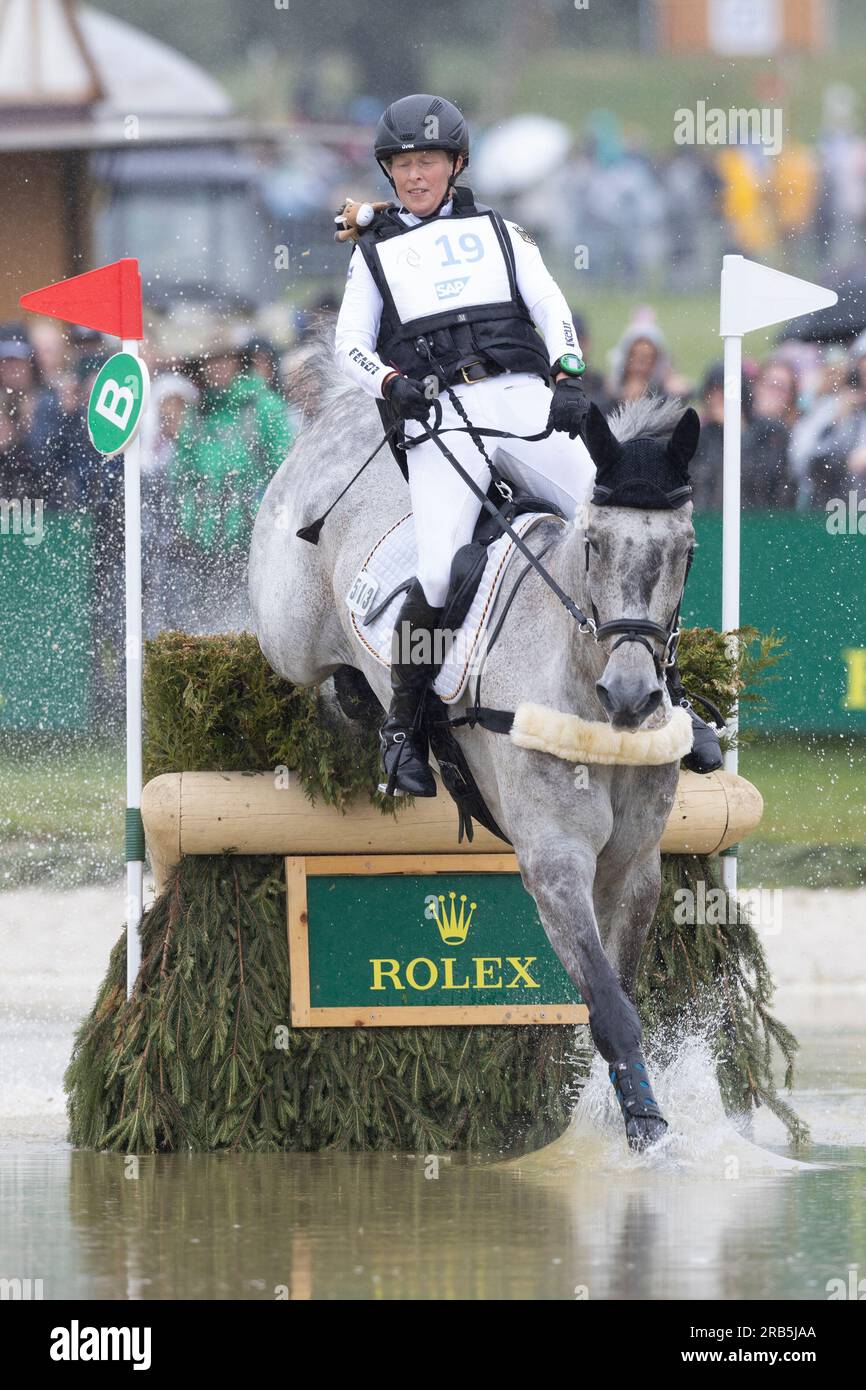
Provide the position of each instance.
(453, 929)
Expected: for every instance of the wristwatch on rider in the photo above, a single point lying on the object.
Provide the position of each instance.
(569, 363)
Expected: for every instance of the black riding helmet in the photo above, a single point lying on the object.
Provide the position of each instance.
(421, 122)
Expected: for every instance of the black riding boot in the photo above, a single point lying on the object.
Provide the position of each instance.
(402, 737)
(706, 752)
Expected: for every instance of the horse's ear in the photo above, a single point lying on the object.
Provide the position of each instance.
(601, 443)
(684, 440)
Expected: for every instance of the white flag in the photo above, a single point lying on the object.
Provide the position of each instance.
(756, 296)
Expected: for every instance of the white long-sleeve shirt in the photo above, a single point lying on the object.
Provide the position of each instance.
(361, 310)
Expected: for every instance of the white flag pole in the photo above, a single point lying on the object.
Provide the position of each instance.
(109, 299)
(731, 453)
(752, 296)
(134, 846)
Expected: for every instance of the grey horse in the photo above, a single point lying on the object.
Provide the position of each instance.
(589, 857)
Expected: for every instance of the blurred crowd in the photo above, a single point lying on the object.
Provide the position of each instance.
(803, 420)
(667, 220)
(603, 200)
(641, 217)
(221, 419)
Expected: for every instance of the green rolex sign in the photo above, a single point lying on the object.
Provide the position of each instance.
(391, 940)
(117, 402)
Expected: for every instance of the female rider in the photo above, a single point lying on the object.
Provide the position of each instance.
(442, 285)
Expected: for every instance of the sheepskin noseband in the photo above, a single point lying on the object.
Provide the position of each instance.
(590, 741)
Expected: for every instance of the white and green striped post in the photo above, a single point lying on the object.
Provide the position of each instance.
(117, 403)
(109, 300)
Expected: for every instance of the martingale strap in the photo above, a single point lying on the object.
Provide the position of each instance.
(456, 772)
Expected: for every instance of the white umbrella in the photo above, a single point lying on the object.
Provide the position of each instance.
(516, 155)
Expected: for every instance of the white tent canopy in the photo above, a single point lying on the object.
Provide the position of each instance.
(43, 59)
(141, 74)
(57, 53)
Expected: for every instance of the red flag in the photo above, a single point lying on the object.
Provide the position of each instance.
(107, 299)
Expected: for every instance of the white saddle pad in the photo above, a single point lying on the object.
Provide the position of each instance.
(394, 559)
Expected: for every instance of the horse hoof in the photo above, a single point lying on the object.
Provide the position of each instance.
(643, 1131)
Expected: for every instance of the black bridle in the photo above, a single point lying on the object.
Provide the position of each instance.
(625, 629)
(499, 721)
(642, 630)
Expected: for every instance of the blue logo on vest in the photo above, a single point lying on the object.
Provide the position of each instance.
(449, 289)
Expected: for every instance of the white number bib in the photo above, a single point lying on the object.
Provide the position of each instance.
(452, 263)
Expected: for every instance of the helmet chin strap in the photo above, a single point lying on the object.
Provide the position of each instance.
(448, 189)
(383, 166)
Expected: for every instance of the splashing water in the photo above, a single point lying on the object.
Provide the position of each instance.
(702, 1139)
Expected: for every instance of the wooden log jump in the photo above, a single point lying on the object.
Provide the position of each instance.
(250, 813)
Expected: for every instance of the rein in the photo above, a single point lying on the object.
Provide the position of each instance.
(499, 721)
(625, 629)
(422, 345)
(585, 624)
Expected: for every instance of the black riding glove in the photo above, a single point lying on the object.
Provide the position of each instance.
(407, 398)
(569, 407)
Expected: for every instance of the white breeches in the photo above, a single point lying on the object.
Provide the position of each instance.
(445, 511)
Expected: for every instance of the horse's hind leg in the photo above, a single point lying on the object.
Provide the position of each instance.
(559, 875)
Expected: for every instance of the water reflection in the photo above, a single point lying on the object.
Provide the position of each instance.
(710, 1214)
(303, 1226)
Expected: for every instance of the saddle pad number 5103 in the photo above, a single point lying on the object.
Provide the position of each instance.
(363, 591)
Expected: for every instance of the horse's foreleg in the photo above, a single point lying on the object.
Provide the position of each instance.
(625, 896)
(559, 875)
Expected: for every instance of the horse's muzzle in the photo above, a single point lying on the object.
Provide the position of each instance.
(628, 700)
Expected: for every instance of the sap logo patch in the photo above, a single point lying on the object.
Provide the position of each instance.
(449, 289)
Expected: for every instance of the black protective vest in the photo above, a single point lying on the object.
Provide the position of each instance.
(499, 334)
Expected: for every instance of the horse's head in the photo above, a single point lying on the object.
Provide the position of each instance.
(638, 540)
